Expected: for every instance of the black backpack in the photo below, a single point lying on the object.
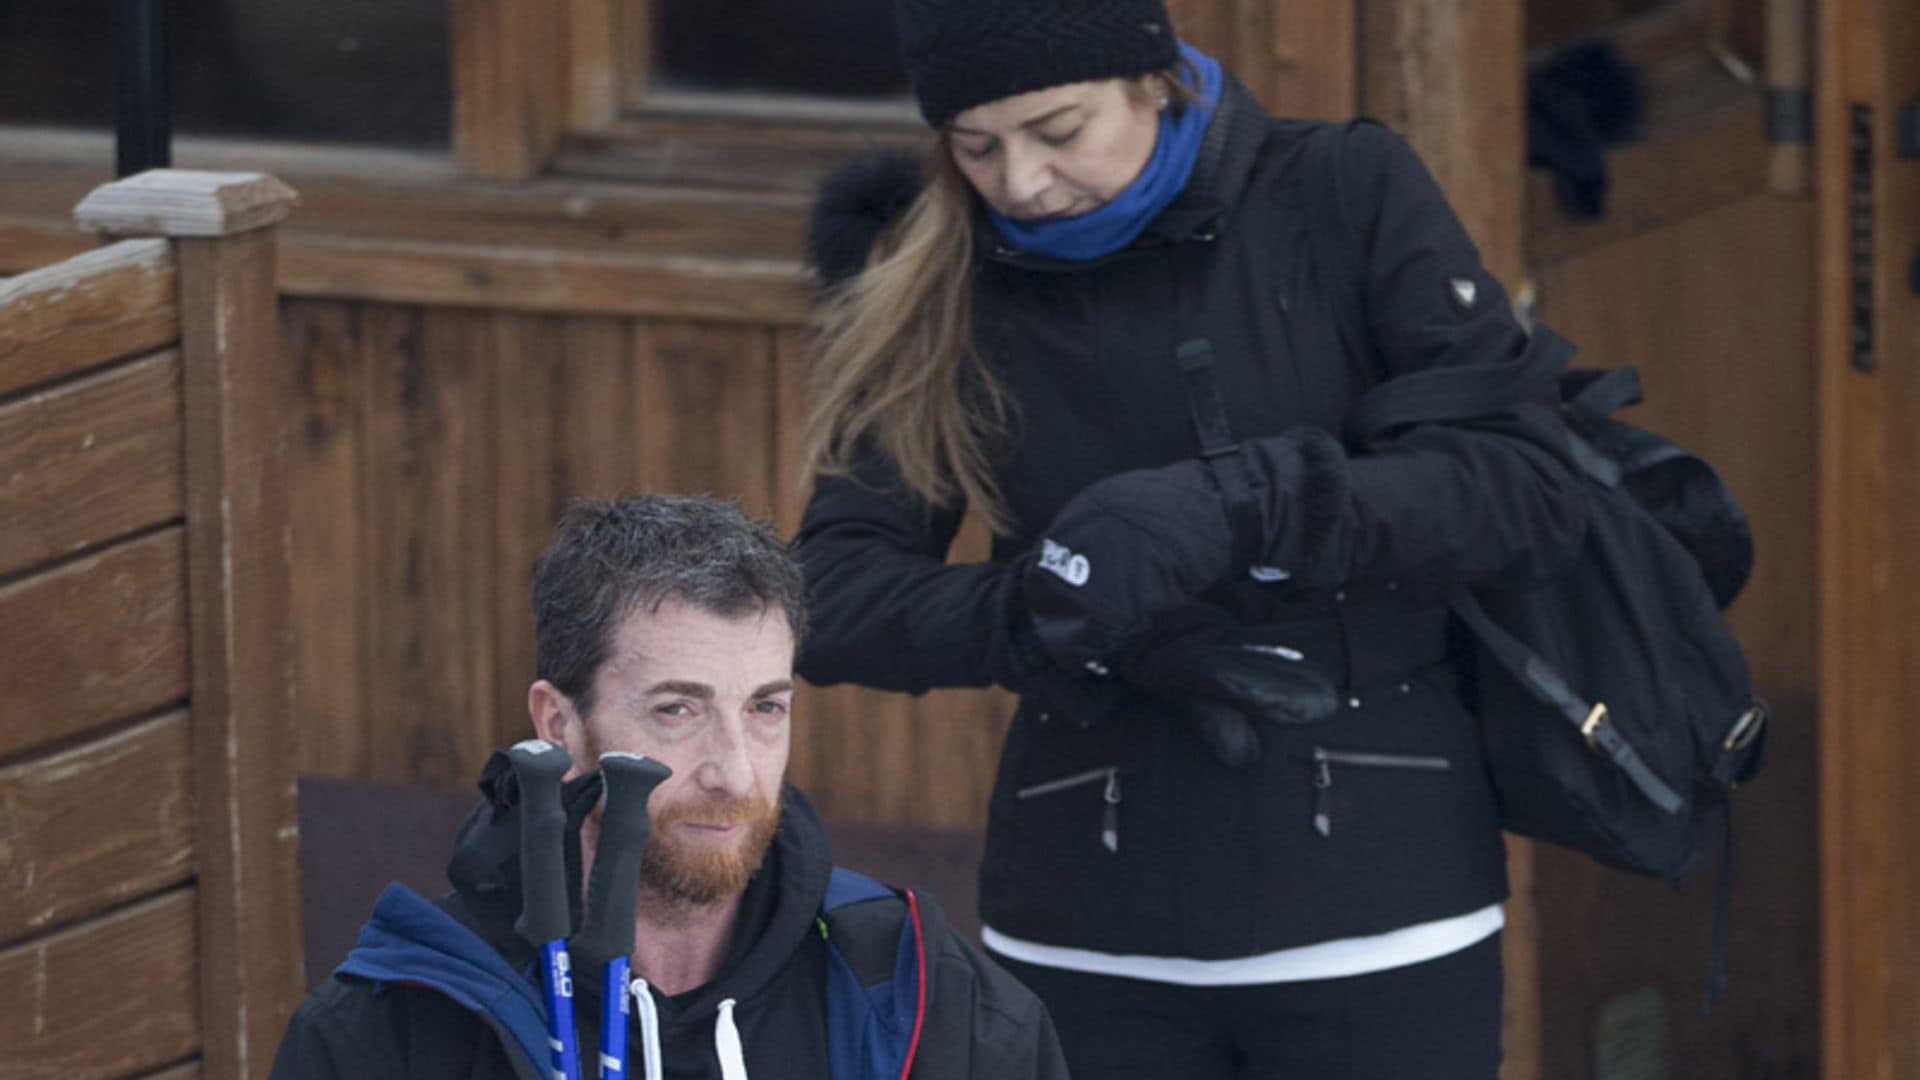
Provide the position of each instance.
(1616, 708)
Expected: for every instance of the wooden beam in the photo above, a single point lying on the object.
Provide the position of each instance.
(236, 396)
(89, 461)
(510, 85)
(93, 641)
(95, 307)
(111, 997)
(97, 825)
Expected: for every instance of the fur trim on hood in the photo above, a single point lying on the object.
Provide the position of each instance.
(855, 204)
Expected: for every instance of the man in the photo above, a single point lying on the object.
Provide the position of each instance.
(667, 627)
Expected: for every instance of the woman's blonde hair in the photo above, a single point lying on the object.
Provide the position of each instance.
(895, 364)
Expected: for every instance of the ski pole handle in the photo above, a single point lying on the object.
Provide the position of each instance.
(606, 937)
(539, 767)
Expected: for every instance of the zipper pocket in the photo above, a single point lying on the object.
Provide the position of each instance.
(1324, 760)
(1110, 796)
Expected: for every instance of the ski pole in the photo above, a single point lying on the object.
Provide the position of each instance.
(606, 936)
(539, 766)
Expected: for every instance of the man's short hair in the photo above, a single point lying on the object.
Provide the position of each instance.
(609, 559)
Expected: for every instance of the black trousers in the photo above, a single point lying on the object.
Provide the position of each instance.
(1439, 1020)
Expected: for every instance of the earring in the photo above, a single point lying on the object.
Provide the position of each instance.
(1164, 102)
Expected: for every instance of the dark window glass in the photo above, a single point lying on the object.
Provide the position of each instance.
(830, 48)
(362, 71)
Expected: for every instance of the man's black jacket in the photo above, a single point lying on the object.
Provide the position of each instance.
(980, 1024)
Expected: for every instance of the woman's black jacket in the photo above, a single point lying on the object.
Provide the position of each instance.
(1312, 843)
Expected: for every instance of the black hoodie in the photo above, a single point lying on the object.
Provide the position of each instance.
(978, 1022)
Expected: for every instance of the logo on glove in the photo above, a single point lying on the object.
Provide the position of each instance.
(1055, 559)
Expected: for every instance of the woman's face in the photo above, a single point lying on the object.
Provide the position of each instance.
(1058, 152)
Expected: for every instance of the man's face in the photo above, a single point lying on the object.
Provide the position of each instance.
(708, 696)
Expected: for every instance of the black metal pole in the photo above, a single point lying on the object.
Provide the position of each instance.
(144, 132)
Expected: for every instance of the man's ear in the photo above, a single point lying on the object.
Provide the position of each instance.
(557, 721)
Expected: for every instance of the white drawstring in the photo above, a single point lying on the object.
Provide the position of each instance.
(726, 1040)
(649, 1028)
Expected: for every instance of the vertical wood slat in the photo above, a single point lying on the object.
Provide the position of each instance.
(565, 426)
(327, 464)
(705, 411)
(240, 607)
(430, 473)
(511, 82)
(1870, 993)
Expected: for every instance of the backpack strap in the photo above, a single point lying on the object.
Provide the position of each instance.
(1589, 719)
(876, 977)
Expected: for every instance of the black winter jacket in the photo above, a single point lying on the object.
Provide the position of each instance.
(980, 1024)
(1312, 844)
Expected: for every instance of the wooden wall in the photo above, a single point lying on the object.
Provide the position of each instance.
(430, 453)
(146, 803)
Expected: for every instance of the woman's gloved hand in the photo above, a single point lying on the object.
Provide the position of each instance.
(1125, 550)
(1139, 544)
(1228, 684)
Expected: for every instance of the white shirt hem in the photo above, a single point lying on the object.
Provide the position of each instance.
(1321, 960)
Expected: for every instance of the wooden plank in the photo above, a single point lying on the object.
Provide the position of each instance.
(95, 640)
(93, 826)
(1311, 57)
(89, 461)
(236, 394)
(431, 543)
(1870, 997)
(705, 412)
(1447, 75)
(510, 84)
(593, 62)
(564, 428)
(724, 290)
(1712, 383)
(327, 468)
(89, 309)
(188, 1071)
(106, 998)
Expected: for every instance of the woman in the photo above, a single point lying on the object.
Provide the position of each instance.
(1241, 825)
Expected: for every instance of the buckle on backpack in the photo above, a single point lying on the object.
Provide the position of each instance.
(1591, 724)
(1746, 729)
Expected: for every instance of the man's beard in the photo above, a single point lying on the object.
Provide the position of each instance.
(684, 874)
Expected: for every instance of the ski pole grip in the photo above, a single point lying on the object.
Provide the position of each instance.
(624, 828)
(538, 767)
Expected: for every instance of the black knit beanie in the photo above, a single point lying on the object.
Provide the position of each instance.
(962, 53)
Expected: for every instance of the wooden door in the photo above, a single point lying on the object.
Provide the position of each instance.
(1869, 567)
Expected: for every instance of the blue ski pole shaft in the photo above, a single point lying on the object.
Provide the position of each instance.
(613, 1019)
(606, 935)
(539, 767)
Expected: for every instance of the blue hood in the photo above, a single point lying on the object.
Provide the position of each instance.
(409, 940)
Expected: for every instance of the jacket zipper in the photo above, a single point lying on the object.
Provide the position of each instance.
(1324, 760)
(1109, 814)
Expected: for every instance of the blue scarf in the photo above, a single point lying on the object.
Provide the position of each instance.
(1115, 225)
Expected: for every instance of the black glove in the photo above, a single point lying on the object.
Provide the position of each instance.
(1139, 544)
(1227, 682)
(1121, 552)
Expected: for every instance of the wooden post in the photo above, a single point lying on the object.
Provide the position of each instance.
(510, 85)
(1448, 76)
(242, 749)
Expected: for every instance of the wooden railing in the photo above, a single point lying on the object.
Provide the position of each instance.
(149, 916)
